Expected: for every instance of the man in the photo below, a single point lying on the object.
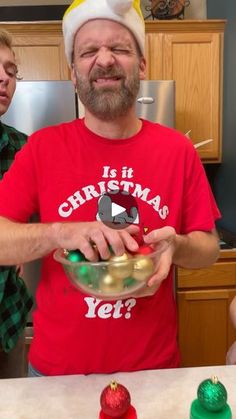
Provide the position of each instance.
(62, 173)
(15, 301)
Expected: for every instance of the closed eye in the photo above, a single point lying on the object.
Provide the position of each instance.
(120, 51)
(11, 70)
(89, 53)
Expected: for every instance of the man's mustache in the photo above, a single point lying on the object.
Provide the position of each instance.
(100, 73)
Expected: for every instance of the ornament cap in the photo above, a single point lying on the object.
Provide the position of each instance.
(113, 385)
(214, 379)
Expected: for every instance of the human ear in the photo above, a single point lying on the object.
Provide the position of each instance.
(142, 68)
(73, 74)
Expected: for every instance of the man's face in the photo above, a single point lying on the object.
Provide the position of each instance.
(8, 72)
(107, 68)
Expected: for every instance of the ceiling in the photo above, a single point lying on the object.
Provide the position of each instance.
(33, 2)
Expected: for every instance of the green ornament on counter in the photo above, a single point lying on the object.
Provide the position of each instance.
(212, 394)
(211, 402)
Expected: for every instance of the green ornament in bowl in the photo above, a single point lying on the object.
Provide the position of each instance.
(74, 255)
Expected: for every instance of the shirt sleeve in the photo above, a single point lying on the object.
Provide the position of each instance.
(18, 188)
(200, 210)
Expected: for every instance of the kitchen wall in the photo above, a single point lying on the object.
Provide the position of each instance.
(223, 176)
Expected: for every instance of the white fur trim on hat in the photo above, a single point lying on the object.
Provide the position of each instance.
(121, 11)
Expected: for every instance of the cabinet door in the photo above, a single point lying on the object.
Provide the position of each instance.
(41, 58)
(39, 50)
(221, 274)
(205, 330)
(154, 56)
(193, 60)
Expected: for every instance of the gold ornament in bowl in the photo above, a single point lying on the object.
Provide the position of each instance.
(109, 284)
(121, 267)
(143, 267)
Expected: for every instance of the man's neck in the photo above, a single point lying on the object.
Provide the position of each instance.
(120, 128)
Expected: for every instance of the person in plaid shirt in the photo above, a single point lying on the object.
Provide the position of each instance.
(15, 301)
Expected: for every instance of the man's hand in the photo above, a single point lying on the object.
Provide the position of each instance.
(84, 236)
(194, 250)
(162, 240)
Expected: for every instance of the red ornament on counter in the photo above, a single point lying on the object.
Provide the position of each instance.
(115, 402)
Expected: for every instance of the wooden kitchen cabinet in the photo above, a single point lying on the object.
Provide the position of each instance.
(203, 298)
(191, 53)
(39, 49)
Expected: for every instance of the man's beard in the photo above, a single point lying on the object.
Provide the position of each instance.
(111, 102)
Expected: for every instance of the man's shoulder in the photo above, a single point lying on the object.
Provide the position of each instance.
(53, 135)
(166, 134)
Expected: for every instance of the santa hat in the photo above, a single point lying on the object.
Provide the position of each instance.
(126, 12)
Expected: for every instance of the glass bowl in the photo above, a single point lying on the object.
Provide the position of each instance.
(119, 277)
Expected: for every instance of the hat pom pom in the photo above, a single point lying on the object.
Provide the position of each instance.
(120, 7)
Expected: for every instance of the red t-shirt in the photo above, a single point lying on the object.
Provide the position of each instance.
(61, 173)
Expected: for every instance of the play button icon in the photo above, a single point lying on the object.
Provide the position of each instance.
(117, 209)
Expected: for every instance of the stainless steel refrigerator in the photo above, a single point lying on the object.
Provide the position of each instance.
(38, 104)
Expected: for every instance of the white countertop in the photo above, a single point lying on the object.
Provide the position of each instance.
(159, 394)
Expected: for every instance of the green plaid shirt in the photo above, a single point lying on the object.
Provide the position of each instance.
(15, 299)
(11, 141)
